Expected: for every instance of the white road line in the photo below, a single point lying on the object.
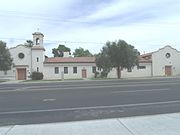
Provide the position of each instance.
(105, 84)
(88, 87)
(85, 87)
(94, 107)
(146, 90)
(48, 100)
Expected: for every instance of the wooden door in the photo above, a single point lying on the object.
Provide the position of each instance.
(84, 73)
(21, 74)
(168, 70)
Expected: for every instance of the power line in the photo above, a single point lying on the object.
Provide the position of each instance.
(65, 41)
(56, 41)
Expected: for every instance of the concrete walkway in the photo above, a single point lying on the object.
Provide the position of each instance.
(12, 82)
(166, 124)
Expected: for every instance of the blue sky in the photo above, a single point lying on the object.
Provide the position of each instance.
(146, 24)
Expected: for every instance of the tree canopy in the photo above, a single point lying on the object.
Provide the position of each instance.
(59, 52)
(5, 57)
(28, 43)
(120, 54)
(103, 63)
(80, 52)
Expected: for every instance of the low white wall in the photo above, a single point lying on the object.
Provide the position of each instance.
(136, 72)
(9, 76)
(147, 72)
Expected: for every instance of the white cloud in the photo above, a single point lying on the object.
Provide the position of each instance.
(110, 11)
(147, 25)
(120, 9)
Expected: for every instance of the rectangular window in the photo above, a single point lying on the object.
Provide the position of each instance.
(75, 70)
(93, 69)
(141, 67)
(37, 59)
(65, 70)
(56, 70)
(37, 69)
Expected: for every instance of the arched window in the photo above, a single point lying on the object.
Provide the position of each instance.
(37, 41)
(37, 69)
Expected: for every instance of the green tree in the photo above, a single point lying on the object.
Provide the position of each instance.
(103, 63)
(121, 55)
(80, 52)
(5, 57)
(59, 52)
(29, 43)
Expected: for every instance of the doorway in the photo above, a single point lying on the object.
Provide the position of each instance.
(84, 73)
(21, 74)
(168, 70)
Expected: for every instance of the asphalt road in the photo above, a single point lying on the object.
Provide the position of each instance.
(27, 103)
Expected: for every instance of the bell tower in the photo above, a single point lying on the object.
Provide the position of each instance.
(37, 52)
(38, 39)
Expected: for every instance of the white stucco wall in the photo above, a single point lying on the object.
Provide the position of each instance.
(49, 72)
(38, 35)
(18, 62)
(37, 64)
(146, 72)
(160, 61)
(112, 73)
(11, 75)
(135, 72)
(21, 49)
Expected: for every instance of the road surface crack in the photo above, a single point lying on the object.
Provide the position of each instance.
(131, 132)
(9, 130)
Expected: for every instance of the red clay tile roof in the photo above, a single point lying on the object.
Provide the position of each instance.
(70, 60)
(145, 58)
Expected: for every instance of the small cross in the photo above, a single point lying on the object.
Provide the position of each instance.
(38, 29)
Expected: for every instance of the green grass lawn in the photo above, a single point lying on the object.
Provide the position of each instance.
(54, 80)
(42, 80)
(2, 81)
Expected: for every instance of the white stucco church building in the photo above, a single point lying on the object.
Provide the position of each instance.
(163, 62)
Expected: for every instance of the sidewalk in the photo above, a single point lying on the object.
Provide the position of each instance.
(165, 124)
(86, 79)
(11, 82)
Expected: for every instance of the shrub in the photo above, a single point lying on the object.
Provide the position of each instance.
(96, 74)
(37, 76)
(104, 74)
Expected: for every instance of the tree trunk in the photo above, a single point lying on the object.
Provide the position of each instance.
(5, 72)
(119, 72)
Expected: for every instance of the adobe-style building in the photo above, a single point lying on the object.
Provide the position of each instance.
(26, 59)
(163, 62)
